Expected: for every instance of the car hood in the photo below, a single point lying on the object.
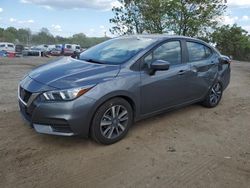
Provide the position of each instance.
(68, 73)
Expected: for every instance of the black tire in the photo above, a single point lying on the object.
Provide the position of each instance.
(214, 96)
(112, 121)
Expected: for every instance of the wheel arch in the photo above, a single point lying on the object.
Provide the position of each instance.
(125, 95)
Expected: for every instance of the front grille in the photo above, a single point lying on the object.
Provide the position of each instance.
(24, 112)
(24, 94)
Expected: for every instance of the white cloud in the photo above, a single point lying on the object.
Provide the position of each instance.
(76, 4)
(92, 30)
(238, 3)
(1, 9)
(102, 30)
(14, 20)
(102, 27)
(228, 20)
(245, 18)
(56, 27)
(247, 28)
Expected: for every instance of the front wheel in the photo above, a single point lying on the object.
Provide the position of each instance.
(111, 121)
(214, 96)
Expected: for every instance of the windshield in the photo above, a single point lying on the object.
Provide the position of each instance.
(116, 51)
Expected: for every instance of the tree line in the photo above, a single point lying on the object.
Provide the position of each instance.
(193, 18)
(27, 38)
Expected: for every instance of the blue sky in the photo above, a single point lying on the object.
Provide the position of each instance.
(67, 17)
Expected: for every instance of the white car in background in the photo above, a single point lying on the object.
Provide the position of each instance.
(42, 47)
(76, 48)
(67, 49)
(51, 47)
(8, 47)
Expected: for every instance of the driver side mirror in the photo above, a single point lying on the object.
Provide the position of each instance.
(159, 65)
(224, 60)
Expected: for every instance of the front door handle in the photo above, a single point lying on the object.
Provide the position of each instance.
(181, 72)
(213, 63)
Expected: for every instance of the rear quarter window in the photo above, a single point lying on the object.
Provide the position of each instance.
(198, 52)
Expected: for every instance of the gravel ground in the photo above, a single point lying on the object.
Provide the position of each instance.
(190, 147)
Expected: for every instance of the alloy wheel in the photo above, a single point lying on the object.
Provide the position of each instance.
(114, 121)
(215, 94)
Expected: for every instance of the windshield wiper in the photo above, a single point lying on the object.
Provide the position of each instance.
(93, 61)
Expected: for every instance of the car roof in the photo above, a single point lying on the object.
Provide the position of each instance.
(158, 37)
(6, 43)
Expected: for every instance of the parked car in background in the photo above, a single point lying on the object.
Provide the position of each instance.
(19, 50)
(77, 51)
(120, 81)
(8, 47)
(76, 48)
(67, 49)
(50, 47)
(3, 53)
(43, 47)
(57, 50)
(34, 51)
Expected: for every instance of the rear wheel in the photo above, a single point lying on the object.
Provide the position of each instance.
(214, 96)
(112, 120)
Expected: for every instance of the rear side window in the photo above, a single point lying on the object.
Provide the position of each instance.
(169, 51)
(198, 52)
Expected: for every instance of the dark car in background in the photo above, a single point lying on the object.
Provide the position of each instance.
(120, 81)
(19, 49)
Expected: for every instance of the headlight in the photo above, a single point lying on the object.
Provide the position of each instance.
(65, 95)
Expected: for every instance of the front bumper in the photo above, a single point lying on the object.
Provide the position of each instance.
(59, 118)
(48, 129)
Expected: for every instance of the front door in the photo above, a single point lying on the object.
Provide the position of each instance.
(167, 88)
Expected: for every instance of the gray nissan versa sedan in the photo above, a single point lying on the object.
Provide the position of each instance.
(121, 81)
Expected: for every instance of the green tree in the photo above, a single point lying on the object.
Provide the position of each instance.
(79, 38)
(128, 18)
(232, 41)
(154, 14)
(195, 17)
(24, 36)
(1, 34)
(10, 34)
(43, 37)
(27, 38)
(182, 17)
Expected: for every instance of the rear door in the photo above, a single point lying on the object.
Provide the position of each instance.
(203, 63)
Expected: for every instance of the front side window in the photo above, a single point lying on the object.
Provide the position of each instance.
(170, 51)
(197, 51)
